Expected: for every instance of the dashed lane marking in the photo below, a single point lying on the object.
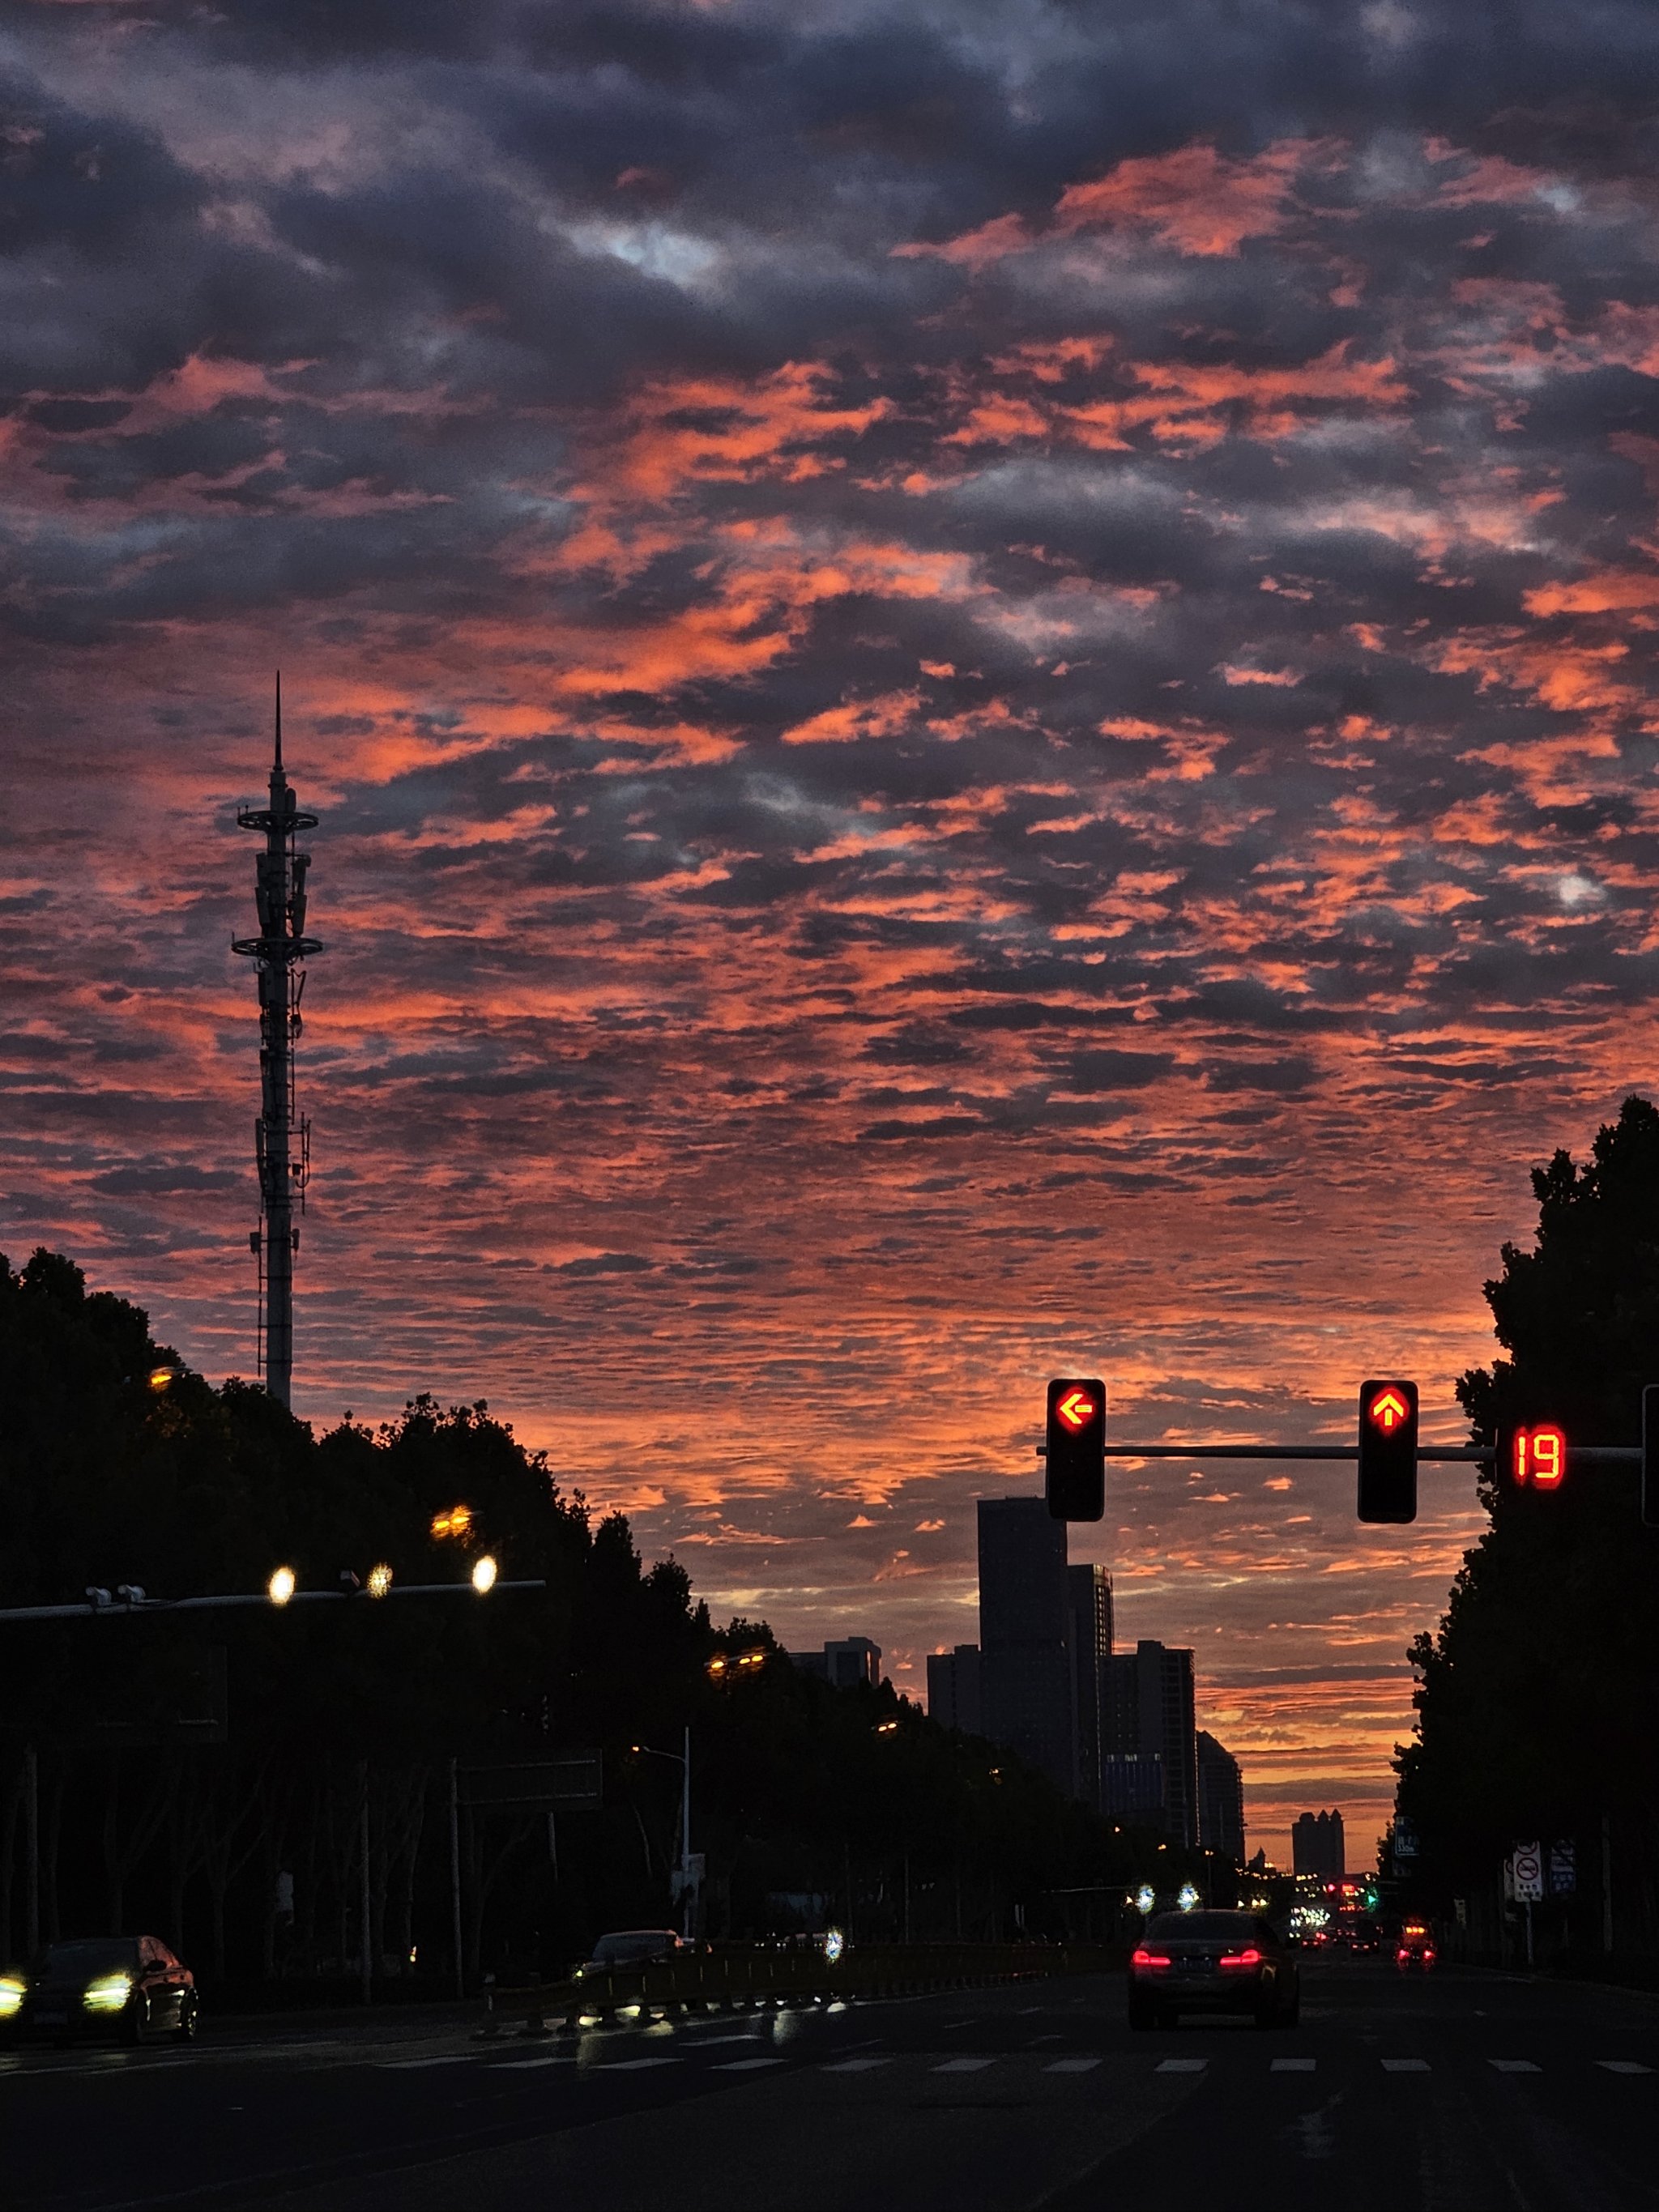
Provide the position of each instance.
(744, 2065)
(1180, 2065)
(1512, 2066)
(524, 2065)
(1071, 2065)
(855, 2065)
(412, 2066)
(1405, 2065)
(634, 2065)
(1292, 2065)
(964, 2065)
(1622, 2066)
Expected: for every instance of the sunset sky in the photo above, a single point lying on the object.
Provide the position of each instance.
(978, 679)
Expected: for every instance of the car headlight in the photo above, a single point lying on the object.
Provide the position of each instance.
(109, 1993)
(11, 1995)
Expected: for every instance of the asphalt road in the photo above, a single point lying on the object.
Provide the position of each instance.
(1459, 2090)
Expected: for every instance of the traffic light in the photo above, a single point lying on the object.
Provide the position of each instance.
(1388, 1451)
(1650, 1455)
(1076, 1441)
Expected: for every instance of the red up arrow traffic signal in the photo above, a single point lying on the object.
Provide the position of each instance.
(1388, 1409)
(1388, 1450)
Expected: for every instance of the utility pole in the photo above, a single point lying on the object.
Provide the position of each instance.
(282, 1139)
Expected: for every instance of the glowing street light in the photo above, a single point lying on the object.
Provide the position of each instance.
(161, 1378)
(280, 1587)
(483, 1575)
(379, 1580)
(457, 1521)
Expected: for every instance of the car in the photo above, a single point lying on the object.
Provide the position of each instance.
(128, 1985)
(1216, 1962)
(1415, 1947)
(633, 1946)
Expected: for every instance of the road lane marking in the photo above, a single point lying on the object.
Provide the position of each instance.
(1623, 2066)
(714, 2042)
(1071, 2066)
(1405, 2065)
(633, 2065)
(409, 2065)
(964, 2065)
(1292, 2065)
(854, 2065)
(1180, 2065)
(744, 2065)
(524, 2065)
(1512, 2066)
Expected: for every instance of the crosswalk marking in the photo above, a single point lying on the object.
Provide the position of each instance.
(1512, 2066)
(1405, 2065)
(856, 2065)
(1623, 2066)
(744, 2065)
(1071, 2065)
(633, 2065)
(1293, 2065)
(1180, 2065)
(964, 2065)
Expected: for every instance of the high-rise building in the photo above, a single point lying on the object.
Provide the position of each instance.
(953, 1689)
(1088, 1645)
(1025, 1681)
(1147, 1712)
(851, 1660)
(1220, 1799)
(1316, 1845)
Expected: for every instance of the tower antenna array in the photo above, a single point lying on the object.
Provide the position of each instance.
(282, 1138)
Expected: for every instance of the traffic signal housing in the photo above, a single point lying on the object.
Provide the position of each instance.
(1388, 1450)
(1075, 1442)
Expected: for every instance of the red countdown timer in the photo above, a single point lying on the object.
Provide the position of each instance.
(1539, 1455)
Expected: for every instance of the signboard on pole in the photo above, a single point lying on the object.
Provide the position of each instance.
(1528, 1864)
(1564, 1868)
(572, 1783)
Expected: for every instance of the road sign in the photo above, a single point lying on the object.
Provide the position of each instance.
(1535, 1457)
(1076, 1448)
(572, 1783)
(1528, 1862)
(1388, 1450)
(1563, 1867)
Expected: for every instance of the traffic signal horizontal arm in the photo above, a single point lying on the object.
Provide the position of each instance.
(1583, 1455)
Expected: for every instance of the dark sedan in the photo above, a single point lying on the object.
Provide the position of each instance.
(127, 1985)
(1224, 1962)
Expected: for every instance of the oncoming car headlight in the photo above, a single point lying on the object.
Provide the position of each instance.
(109, 1993)
(11, 1997)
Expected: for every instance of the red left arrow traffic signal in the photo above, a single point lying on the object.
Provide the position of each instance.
(1075, 1441)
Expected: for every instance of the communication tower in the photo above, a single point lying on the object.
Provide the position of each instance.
(281, 1137)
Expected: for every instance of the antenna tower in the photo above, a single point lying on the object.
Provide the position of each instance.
(282, 1139)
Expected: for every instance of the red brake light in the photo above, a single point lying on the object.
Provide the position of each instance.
(1148, 1958)
(1251, 1958)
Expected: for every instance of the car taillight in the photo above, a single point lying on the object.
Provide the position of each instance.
(1403, 1952)
(1241, 1958)
(1149, 1959)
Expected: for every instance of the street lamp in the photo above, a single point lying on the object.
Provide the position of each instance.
(483, 1575)
(280, 1587)
(683, 1762)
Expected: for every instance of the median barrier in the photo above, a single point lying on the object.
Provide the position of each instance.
(741, 1975)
